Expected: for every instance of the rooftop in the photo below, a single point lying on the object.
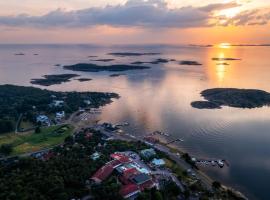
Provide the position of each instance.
(129, 190)
(141, 178)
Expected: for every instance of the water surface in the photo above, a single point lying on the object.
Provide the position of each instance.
(159, 99)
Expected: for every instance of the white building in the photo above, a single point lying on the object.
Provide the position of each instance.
(60, 115)
(58, 103)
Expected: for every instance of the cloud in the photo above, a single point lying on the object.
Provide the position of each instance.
(138, 13)
(250, 18)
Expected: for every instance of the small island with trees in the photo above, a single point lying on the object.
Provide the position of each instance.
(54, 79)
(90, 67)
(232, 97)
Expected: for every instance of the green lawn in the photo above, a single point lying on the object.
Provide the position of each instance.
(29, 142)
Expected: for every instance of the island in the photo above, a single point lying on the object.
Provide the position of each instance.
(19, 54)
(89, 67)
(154, 62)
(116, 75)
(84, 79)
(232, 97)
(54, 79)
(188, 62)
(103, 60)
(126, 54)
(223, 63)
(225, 59)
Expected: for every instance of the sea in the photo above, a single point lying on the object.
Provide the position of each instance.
(160, 99)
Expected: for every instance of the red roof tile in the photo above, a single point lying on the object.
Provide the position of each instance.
(105, 171)
(147, 185)
(122, 158)
(129, 190)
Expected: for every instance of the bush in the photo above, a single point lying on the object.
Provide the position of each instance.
(6, 149)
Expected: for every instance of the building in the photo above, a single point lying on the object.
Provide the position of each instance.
(95, 156)
(60, 115)
(87, 102)
(158, 162)
(104, 172)
(141, 178)
(129, 191)
(43, 119)
(148, 153)
(121, 157)
(58, 103)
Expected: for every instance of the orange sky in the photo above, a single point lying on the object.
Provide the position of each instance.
(112, 33)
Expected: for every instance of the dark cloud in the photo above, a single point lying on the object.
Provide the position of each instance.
(151, 13)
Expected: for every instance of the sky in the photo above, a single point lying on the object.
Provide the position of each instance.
(135, 21)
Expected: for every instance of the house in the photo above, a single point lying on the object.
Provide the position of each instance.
(60, 115)
(121, 157)
(158, 162)
(95, 156)
(104, 172)
(148, 153)
(129, 191)
(87, 102)
(58, 103)
(43, 119)
(141, 178)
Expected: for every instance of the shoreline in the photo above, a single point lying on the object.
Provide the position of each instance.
(172, 153)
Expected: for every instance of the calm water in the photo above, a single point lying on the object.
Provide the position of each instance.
(159, 99)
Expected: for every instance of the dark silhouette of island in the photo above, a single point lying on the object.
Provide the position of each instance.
(92, 56)
(223, 63)
(189, 62)
(155, 62)
(19, 54)
(104, 60)
(225, 59)
(57, 65)
(89, 67)
(55, 79)
(232, 97)
(124, 54)
(84, 79)
(116, 75)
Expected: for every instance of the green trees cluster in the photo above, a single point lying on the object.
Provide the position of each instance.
(169, 191)
(29, 101)
(62, 177)
(6, 149)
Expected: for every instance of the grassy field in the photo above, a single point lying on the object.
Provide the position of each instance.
(29, 142)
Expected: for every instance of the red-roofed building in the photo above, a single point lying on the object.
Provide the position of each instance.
(121, 157)
(105, 171)
(129, 190)
(127, 174)
(147, 185)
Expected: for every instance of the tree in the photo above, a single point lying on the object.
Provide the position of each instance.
(216, 185)
(157, 196)
(6, 149)
(38, 129)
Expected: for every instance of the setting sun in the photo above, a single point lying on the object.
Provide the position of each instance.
(224, 45)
